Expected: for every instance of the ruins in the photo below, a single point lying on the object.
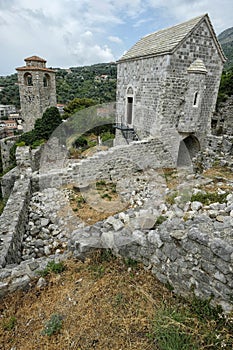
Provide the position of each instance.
(166, 94)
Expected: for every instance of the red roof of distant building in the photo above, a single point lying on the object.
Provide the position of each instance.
(28, 68)
(35, 58)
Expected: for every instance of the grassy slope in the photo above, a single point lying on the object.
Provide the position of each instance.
(108, 304)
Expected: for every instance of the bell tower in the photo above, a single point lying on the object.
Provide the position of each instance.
(37, 90)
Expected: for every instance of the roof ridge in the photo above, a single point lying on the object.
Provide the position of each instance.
(176, 25)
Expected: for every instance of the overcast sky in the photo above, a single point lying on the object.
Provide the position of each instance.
(69, 33)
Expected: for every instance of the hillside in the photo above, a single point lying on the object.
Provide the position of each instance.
(226, 41)
(108, 303)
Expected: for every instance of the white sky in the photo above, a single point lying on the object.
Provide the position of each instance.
(69, 33)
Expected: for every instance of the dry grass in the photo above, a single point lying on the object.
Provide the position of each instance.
(219, 172)
(108, 303)
(97, 202)
(103, 306)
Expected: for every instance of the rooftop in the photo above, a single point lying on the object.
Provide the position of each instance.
(35, 58)
(165, 41)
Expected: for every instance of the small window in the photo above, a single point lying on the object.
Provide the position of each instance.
(129, 110)
(46, 80)
(195, 100)
(28, 79)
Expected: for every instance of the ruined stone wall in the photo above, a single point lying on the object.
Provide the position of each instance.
(223, 119)
(6, 145)
(117, 162)
(13, 222)
(192, 256)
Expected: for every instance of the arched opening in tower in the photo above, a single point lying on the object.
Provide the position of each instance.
(188, 148)
(46, 80)
(28, 79)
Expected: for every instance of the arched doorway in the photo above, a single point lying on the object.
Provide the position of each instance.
(188, 148)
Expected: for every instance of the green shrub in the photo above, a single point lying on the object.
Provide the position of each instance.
(10, 324)
(20, 144)
(171, 331)
(107, 136)
(52, 267)
(160, 219)
(209, 197)
(80, 142)
(53, 326)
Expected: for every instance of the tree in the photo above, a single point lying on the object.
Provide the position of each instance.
(76, 105)
(45, 126)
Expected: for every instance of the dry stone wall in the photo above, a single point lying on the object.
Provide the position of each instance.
(13, 223)
(113, 164)
(192, 249)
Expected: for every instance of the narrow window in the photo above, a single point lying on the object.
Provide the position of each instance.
(46, 80)
(28, 79)
(129, 109)
(195, 100)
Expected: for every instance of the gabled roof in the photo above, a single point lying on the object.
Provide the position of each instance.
(167, 40)
(35, 58)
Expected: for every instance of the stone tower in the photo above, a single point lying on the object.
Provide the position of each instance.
(37, 89)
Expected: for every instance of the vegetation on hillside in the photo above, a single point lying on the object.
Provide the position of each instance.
(77, 104)
(96, 82)
(226, 41)
(226, 86)
(109, 303)
(9, 95)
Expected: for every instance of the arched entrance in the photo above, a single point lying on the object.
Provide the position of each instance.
(188, 148)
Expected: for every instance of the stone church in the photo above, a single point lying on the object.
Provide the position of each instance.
(37, 90)
(167, 86)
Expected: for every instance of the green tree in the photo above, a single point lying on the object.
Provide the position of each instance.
(78, 104)
(45, 126)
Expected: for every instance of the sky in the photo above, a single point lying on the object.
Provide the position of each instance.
(71, 33)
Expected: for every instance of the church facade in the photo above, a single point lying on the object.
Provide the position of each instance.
(167, 86)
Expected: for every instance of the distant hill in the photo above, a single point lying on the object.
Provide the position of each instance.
(226, 41)
(97, 82)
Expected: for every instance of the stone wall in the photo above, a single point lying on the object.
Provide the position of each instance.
(222, 121)
(193, 245)
(13, 223)
(193, 255)
(6, 145)
(163, 90)
(113, 164)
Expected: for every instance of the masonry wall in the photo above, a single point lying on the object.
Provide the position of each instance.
(190, 256)
(223, 119)
(164, 90)
(13, 221)
(35, 99)
(198, 45)
(113, 164)
(6, 145)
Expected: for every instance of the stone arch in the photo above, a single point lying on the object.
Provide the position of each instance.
(188, 148)
(46, 80)
(28, 79)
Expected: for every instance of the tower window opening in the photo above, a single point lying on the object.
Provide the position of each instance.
(195, 100)
(28, 79)
(46, 80)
